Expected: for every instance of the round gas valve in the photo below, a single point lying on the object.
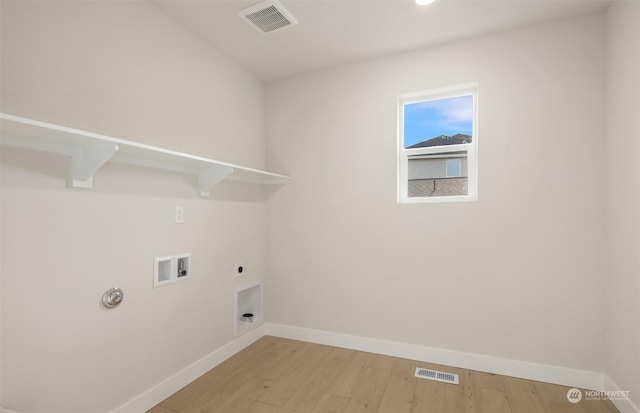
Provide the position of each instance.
(112, 297)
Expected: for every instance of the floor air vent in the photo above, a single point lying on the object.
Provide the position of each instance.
(436, 375)
(268, 16)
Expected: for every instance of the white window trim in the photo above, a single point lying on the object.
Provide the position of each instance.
(471, 148)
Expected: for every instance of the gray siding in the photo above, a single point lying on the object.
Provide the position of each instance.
(432, 168)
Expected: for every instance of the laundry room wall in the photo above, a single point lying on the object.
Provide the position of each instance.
(125, 70)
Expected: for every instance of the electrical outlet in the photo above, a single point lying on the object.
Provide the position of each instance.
(241, 269)
(179, 214)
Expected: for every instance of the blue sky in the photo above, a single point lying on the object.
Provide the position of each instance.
(426, 120)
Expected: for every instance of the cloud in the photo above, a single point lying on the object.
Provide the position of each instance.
(426, 120)
(451, 111)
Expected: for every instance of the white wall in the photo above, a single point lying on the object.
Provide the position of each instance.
(623, 208)
(517, 274)
(129, 71)
(121, 69)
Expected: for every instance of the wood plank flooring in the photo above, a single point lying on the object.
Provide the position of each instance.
(276, 375)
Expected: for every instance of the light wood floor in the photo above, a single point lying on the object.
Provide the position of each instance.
(280, 375)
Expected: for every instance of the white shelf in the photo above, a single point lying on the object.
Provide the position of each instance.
(90, 151)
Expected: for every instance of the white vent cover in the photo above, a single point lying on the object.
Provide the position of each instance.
(268, 16)
(437, 376)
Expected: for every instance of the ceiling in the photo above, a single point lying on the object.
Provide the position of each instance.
(336, 32)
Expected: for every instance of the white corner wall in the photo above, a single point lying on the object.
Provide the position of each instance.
(517, 274)
(622, 294)
(121, 69)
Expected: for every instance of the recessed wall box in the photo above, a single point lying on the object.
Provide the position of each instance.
(163, 271)
(168, 270)
(247, 311)
(183, 264)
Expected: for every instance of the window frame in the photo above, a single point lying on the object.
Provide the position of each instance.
(468, 89)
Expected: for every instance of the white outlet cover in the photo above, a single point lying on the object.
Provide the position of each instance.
(179, 214)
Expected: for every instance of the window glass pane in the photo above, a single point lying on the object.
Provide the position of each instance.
(442, 174)
(438, 122)
(454, 167)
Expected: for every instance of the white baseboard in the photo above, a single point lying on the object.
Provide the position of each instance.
(507, 367)
(625, 405)
(514, 368)
(166, 388)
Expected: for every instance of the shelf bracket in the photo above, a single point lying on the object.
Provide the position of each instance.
(86, 160)
(212, 177)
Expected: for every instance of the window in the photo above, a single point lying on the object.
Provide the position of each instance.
(454, 168)
(437, 145)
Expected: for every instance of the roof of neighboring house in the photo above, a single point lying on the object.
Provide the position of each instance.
(443, 140)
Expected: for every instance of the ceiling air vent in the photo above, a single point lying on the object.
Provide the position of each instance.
(268, 16)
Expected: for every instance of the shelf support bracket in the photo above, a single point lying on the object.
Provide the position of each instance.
(86, 160)
(212, 177)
